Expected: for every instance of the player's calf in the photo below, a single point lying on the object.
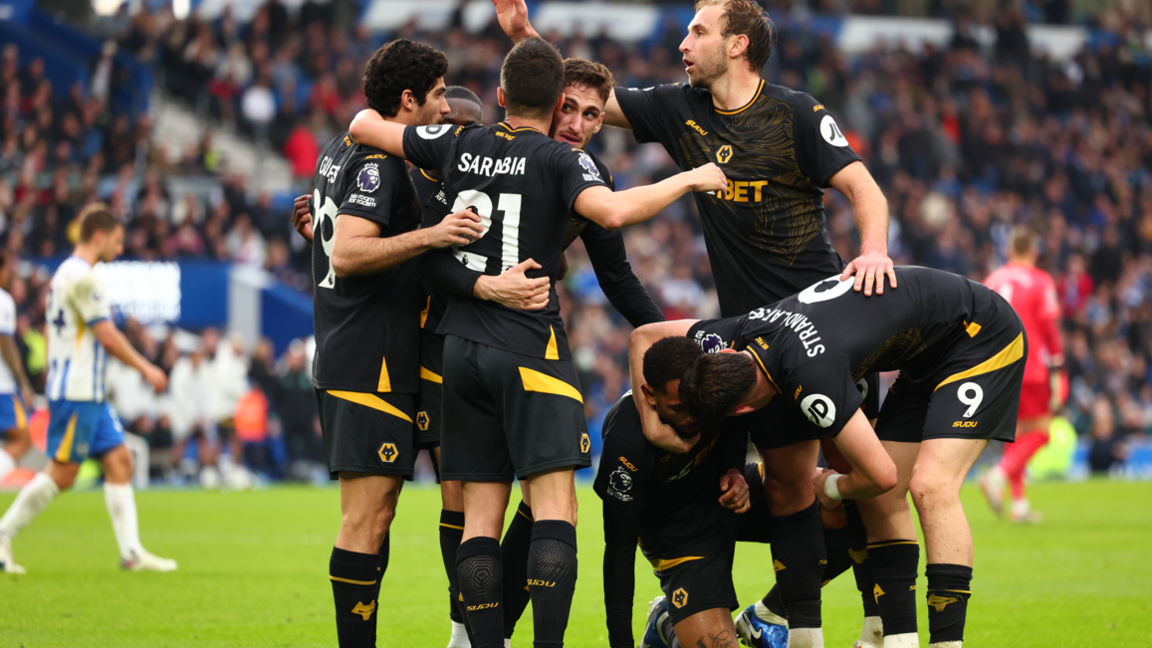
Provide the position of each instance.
(359, 559)
(552, 563)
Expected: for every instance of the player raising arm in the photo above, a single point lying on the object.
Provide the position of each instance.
(81, 336)
(597, 203)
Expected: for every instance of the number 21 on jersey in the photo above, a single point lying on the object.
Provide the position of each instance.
(481, 203)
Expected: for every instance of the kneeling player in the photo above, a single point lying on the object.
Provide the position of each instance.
(959, 347)
(682, 509)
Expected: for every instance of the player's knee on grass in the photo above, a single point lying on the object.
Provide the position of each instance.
(710, 628)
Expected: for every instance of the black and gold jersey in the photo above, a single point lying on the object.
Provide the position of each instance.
(765, 234)
(816, 346)
(367, 327)
(523, 185)
(605, 250)
(674, 494)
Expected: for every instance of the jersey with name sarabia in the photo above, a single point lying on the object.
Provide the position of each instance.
(1032, 293)
(765, 234)
(367, 327)
(76, 361)
(815, 346)
(676, 495)
(523, 185)
(7, 327)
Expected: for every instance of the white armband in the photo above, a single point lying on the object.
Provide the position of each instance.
(830, 488)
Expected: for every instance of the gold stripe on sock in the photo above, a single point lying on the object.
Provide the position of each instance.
(350, 581)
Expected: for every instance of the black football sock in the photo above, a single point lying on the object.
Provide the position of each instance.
(798, 556)
(514, 548)
(355, 582)
(894, 564)
(839, 561)
(382, 563)
(774, 602)
(451, 530)
(949, 588)
(861, 566)
(551, 579)
(481, 574)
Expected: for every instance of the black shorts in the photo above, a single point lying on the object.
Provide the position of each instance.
(971, 392)
(697, 575)
(367, 433)
(429, 405)
(781, 423)
(508, 415)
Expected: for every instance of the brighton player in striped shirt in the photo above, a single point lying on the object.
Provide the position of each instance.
(81, 336)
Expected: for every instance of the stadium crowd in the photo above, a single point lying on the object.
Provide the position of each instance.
(965, 140)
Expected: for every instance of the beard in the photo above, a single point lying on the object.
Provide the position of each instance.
(428, 114)
(707, 70)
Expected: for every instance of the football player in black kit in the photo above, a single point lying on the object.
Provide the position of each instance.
(586, 89)
(366, 306)
(674, 506)
(959, 347)
(764, 233)
(511, 289)
(511, 404)
(466, 109)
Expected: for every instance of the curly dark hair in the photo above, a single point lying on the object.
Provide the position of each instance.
(668, 359)
(398, 66)
(715, 385)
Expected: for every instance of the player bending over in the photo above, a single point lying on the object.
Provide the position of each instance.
(81, 335)
(16, 392)
(1032, 293)
(959, 348)
(512, 407)
(687, 511)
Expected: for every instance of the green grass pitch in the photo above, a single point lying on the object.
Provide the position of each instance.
(253, 572)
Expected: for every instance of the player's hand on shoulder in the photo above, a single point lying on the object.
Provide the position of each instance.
(155, 377)
(869, 269)
(818, 485)
(735, 491)
(708, 178)
(302, 218)
(460, 228)
(515, 289)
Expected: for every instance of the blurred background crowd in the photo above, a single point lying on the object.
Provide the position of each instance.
(967, 140)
